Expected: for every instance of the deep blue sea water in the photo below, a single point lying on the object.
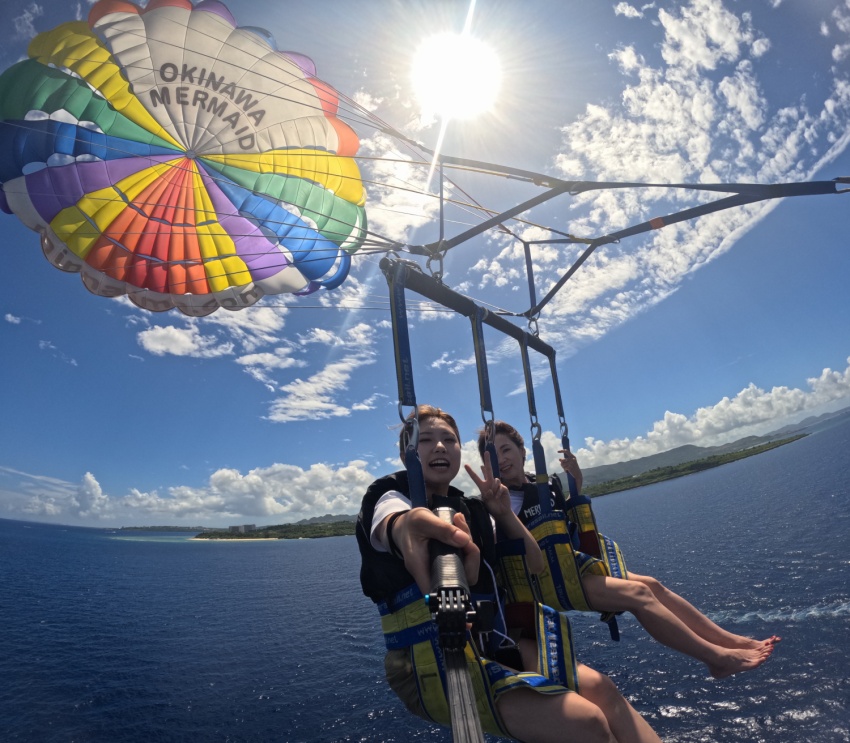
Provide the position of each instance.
(118, 639)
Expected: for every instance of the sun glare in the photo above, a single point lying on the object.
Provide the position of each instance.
(456, 76)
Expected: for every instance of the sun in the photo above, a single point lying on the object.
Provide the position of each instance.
(456, 76)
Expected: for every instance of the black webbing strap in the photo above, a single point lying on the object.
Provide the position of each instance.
(562, 421)
(487, 415)
(541, 476)
(406, 392)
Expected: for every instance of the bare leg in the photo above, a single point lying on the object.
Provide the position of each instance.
(553, 718)
(697, 621)
(623, 719)
(614, 594)
(600, 711)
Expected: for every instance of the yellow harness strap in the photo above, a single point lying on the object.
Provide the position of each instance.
(409, 626)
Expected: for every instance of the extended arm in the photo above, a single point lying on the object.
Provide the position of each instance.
(570, 466)
(497, 499)
(411, 532)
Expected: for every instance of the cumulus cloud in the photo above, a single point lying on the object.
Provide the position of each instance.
(10, 318)
(261, 366)
(187, 341)
(280, 493)
(752, 411)
(251, 327)
(276, 494)
(42, 497)
(628, 10)
(453, 365)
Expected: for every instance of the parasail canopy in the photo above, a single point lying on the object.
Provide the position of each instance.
(170, 155)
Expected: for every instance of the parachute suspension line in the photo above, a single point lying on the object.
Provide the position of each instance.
(442, 202)
(450, 600)
(487, 224)
(439, 252)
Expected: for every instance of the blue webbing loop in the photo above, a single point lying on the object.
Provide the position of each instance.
(541, 477)
(490, 446)
(413, 465)
(477, 319)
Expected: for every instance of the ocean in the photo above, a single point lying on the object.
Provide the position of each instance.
(116, 638)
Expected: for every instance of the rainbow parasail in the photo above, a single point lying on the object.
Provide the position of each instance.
(170, 155)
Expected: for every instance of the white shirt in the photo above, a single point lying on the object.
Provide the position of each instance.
(388, 504)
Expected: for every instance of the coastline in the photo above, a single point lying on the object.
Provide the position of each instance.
(347, 528)
(236, 539)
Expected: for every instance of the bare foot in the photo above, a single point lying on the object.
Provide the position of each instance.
(739, 642)
(738, 660)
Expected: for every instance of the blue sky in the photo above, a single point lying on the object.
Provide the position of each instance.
(698, 333)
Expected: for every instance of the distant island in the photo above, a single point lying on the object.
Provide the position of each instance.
(341, 528)
(165, 528)
(680, 470)
(343, 525)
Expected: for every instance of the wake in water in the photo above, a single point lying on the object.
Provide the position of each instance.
(783, 614)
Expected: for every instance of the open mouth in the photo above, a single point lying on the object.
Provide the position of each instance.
(439, 464)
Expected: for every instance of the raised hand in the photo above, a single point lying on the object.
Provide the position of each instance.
(496, 496)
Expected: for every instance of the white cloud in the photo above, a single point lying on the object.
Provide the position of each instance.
(40, 496)
(162, 340)
(453, 365)
(24, 23)
(251, 327)
(316, 397)
(701, 116)
(10, 318)
(627, 10)
(91, 502)
(703, 35)
(276, 494)
(56, 353)
(282, 493)
(260, 366)
(752, 411)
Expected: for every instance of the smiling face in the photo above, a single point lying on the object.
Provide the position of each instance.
(511, 461)
(439, 452)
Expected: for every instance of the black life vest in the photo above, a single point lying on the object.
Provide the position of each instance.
(382, 575)
(531, 500)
